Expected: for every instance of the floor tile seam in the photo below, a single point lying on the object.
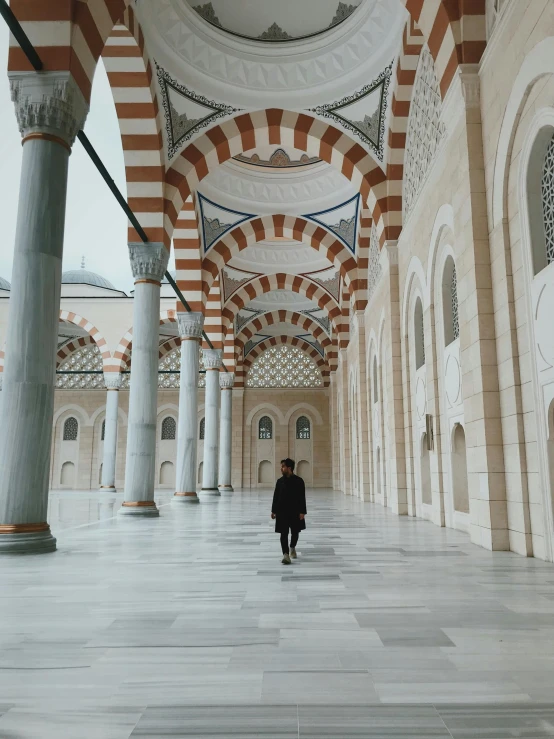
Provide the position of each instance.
(100, 520)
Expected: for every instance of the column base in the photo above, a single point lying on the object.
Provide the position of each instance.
(138, 508)
(107, 489)
(185, 498)
(210, 492)
(226, 489)
(26, 539)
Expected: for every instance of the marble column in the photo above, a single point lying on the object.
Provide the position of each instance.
(190, 331)
(212, 363)
(149, 263)
(50, 110)
(112, 380)
(226, 382)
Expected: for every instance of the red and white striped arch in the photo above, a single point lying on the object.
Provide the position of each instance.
(93, 332)
(412, 43)
(280, 226)
(122, 354)
(309, 325)
(323, 365)
(188, 259)
(295, 283)
(72, 346)
(133, 86)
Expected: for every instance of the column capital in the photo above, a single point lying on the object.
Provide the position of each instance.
(112, 380)
(148, 261)
(190, 325)
(213, 358)
(226, 380)
(48, 104)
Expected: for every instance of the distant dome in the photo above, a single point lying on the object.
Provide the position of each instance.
(4, 284)
(84, 277)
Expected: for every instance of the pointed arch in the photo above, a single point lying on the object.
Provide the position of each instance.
(285, 341)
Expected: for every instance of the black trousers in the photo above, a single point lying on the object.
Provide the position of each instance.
(294, 534)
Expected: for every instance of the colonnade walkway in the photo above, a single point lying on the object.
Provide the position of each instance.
(189, 626)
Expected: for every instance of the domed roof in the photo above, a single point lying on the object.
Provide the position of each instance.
(85, 277)
(4, 284)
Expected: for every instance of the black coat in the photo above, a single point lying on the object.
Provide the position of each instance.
(289, 501)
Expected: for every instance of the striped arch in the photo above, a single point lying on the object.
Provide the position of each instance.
(412, 43)
(72, 346)
(323, 365)
(280, 281)
(94, 333)
(259, 323)
(278, 127)
(122, 355)
(132, 81)
(169, 346)
(454, 29)
(271, 226)
(188, 259)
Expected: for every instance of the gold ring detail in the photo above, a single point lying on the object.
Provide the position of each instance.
(138, 503)
(47, 137)
(23, 528)
(148, 282)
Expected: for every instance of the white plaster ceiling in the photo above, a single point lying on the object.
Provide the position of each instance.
(282, 329)
(291, 191)
(272, 20)
(254, 75)
(281, 299)
(270, 257)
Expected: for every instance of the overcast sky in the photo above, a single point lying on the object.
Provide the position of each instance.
(95, 225)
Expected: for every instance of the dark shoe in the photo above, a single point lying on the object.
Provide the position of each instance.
(286, 559)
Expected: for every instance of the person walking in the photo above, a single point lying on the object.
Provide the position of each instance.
(289, 509)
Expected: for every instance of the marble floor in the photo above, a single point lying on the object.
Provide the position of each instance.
(189, 626)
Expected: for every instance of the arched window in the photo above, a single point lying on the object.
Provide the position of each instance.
(103, 430)
(202, 432)
(540, 198)
(419, 335)
(303, 428)
(450, 302)
(425, 129)
(265, 428)
(169, 428)
(547, 195)
(70, 429)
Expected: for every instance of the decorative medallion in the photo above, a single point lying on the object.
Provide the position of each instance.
(217, 220)
(278, 160)
(329, 280)
(309, 339)
(344, 11)
(274, 33)
(208, 13)
(244, 316)
(186, 112)
(363, 113)
(232, 280)
(341, 220)
(253, 342)
(320, 317)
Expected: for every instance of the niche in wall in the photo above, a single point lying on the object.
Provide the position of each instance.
(459, 470)
(200, 472)
(265, 473)
(167, 474)
(67, 477)
(304, 470)
(426, 495)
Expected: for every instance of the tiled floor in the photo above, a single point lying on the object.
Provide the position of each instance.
(189, 626)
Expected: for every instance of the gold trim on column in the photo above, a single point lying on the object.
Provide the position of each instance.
(191, 338)
(46, 137)
(138, 503)
(147, 282)
(186, 495)
(23, 528)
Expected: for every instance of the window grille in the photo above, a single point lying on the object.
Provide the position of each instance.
(87, 359)
(374, 264)
(170, 370)
(454, 297)
(547, 192)
(425, 129)
(265, 428)
(169, 428)
(303, 428)
(70, 429)
(202, 429)
(284, 366)
(103, 430)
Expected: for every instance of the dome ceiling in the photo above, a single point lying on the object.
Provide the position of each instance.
(271, 257)
(269, 21)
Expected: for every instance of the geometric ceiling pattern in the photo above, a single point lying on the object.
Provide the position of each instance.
(216, 220)
(342, 220)
(363, 113)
